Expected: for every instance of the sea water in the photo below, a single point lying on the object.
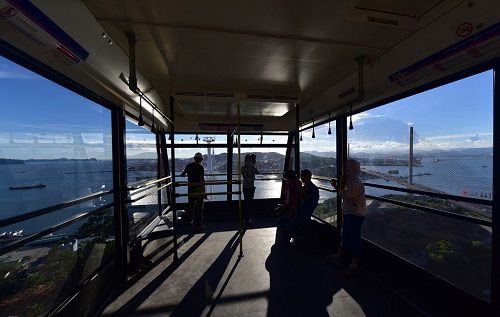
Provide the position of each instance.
(69, 180)
(467, 177)
(64, 181)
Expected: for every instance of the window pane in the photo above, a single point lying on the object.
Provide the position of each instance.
(455, 250)
(55, 146)
(270, 162)
(438, 141)
(39, 275)
(451, 142)
(142, 171)
(319, 154)
(215, 170)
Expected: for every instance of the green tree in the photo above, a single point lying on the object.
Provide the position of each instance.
(100, 225)
(466, 265)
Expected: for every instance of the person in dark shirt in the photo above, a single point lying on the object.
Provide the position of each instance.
(248, 172)
(196, 175)
(309, 197)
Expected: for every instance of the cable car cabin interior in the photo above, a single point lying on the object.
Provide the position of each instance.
(106, 102)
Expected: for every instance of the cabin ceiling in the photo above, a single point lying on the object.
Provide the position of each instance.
(284, 52)
(265, 56)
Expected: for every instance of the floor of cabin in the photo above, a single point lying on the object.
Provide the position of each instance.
(265, 276)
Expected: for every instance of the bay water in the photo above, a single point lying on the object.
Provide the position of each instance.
(67, 180)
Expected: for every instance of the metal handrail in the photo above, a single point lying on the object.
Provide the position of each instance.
(332, 190)
(43, 211)
(147, 184)
(322, 178)
(177, 184)
(149, 193)
(206, 194)
(432, 194)
(434, 211)
(27, 239)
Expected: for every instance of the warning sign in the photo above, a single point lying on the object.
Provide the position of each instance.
(464, 29)
(24, 19)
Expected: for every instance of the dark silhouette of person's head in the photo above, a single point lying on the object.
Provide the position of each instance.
(291, 175)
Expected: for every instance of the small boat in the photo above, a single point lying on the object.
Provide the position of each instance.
(39, 185)
(18, 233)
(393, 172)
(11, 234)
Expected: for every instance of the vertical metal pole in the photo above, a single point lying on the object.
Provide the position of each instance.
(410, 162)
(290, 152)
(120, 193)
(297, 165)
(158, 172)
(172, 157)
(341, 134)
(229, 170)
(495, 217)
(166, 167)
(297, 139)
(239, 180)
(132, 80)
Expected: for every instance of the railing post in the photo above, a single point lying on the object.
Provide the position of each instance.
(120, 192)
(172, 157)
(341, 138)
(495, 217)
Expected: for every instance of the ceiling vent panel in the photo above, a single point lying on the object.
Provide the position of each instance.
(220, 94)
(382, 18)
(190, 93)
(271, 98)
(201, 95)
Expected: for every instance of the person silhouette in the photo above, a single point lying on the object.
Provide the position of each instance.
(196, 176)
(248, 172)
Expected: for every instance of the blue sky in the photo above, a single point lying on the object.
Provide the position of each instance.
(458, 115)
(36, 110)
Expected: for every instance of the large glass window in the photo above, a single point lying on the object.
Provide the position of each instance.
(270, 161)
(214, 163)
(439, 141)
(142, 172)
(452, 140)
(319, 155)
(55, 147)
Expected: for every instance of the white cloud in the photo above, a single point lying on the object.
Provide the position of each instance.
(7, 72)
(457, 136)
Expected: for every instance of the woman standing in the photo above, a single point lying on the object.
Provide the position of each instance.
(352, 192)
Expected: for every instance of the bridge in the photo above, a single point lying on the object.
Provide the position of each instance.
(482, 210)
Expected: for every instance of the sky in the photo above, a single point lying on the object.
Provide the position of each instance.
(40, 118)
(458, 115)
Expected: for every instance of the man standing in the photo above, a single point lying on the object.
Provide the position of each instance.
(248, 172)
(196, 175)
